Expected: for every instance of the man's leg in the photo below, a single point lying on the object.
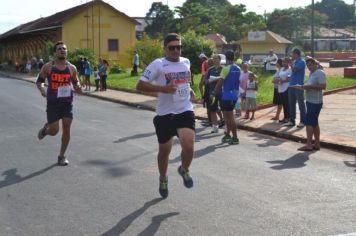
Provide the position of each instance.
(66, 123)
(230, 122)
(162, 158)
(300, 99)
(292, 101)
(187, 139)
(316, 132)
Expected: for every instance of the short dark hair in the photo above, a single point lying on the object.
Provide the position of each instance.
(297, 51)
(56, 44)
(171, 37)
(230, 55)
(279, 61)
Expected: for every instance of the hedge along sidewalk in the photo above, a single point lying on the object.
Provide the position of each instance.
(334, 131)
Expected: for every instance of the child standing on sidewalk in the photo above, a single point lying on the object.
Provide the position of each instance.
(96, 78)
(251, 92)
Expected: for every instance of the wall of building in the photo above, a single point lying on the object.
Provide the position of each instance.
(94, 26)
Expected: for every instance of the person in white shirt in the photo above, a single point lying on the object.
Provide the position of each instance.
(284, 75)
(275, 81)
(314, 93)
(251, 95)
(175, 116)
(271, 61)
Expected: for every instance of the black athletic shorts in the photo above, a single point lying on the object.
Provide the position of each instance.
(227, 105)
(213, 104)
(56, 111)
(166, 126)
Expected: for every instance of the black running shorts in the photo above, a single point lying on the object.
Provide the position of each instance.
(166, 126)
(56, 111)
(227, 105)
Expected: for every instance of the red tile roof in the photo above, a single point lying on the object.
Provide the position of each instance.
(56, 20)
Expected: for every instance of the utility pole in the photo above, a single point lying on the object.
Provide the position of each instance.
(312, 30)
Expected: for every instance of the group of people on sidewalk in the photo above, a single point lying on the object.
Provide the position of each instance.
(100, 72)
(289, 89)
(170, 77)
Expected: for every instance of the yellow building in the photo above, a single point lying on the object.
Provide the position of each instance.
(95, 25)
(257, 44)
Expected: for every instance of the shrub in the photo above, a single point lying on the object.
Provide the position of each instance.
(148, 50)
(193, 46)
(116, 69)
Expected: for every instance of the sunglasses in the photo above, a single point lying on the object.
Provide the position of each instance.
(172, 48)
(62, 48)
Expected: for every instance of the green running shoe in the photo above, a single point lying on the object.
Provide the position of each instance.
(163, 188)
(234, 141)
(226, 138)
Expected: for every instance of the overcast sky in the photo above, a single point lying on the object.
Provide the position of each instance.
(14, 13)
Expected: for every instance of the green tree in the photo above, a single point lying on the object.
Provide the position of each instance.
(162, 20)
(193, 45)
(148, 50)
(340, 14)
(74, 54)
(291, 23)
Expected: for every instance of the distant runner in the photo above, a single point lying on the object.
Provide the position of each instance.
(60, 75)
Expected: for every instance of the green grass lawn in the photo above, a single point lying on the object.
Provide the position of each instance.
(124, 81)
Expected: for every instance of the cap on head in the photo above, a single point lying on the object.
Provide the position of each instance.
(312, 60)
(171, 37)
(230, 55)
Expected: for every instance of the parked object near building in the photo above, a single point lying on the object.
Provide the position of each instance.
(256, 45)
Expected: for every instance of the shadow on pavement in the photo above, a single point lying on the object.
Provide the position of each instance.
(267, 143)
(11, 176)
(110, 169)
(296, 161)
(202, 152)
(125, 222)
(136, 136)
(156, 223)
(351, 164)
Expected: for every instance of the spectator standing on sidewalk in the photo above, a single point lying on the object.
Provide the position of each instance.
(175, 113)
(314, 86)
(251, 95)
(103, 74)
(87, 73)
(284, 75)
(276, 99)
(135, 63)
(296, 95)
(96, 78)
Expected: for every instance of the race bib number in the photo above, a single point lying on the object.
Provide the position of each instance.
(182, 92)
(64, 91)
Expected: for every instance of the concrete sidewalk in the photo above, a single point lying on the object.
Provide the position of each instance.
(337, 118)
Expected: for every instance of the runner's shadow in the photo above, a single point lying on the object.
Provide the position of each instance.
(156, 223)
(296, 161)
(110, 168)
(11, 176)
(351, 163)
(201, 152)
(125, 222)
(136, 136)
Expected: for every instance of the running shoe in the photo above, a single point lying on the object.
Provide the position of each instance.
(42, 133)
(214, 129)
(226, 138)
(187, 179)
(62, 161)
(163, 188)
(234, 141)
(301, 125)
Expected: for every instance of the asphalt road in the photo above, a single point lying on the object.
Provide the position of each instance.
(261, 187)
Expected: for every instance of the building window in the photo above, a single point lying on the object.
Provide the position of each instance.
(113, 45)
